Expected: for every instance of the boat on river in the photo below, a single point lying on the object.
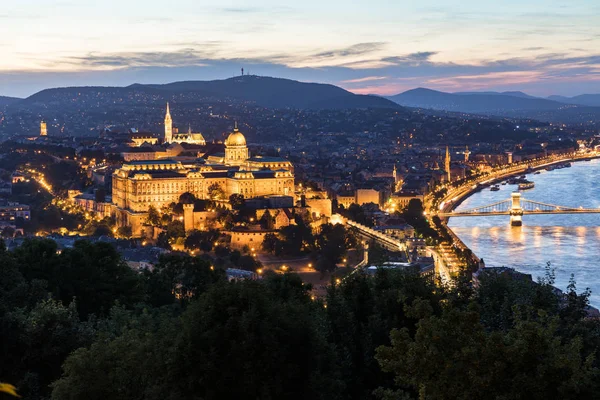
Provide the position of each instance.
(526, 185)
(495, 188)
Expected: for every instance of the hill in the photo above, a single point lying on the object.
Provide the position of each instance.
(513, 93)
(264, 91)
(279, 93)
(5, 100)
(484, 103)
(591, 100)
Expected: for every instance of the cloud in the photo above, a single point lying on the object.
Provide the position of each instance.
(182, 57)
(358, 49)
(255, 10)
(241, 10)
(413, 58)
(366, 79)
(362, 68)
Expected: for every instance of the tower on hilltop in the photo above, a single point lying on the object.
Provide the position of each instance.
(168, 126)
(43, 129)
(447, 164)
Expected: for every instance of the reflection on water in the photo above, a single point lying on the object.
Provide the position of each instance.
(571, 243)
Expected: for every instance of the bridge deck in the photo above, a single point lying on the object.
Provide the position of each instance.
(525, 212)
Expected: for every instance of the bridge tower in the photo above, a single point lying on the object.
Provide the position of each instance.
(516, 211)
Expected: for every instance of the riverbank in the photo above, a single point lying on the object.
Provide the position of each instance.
(455, 196)
(566, 243)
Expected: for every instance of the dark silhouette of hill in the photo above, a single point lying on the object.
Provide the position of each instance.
(592, 100)
(513, 93)
(484, 103)
(5, 100)
(513, 105)
(279, 93)
(264, 91)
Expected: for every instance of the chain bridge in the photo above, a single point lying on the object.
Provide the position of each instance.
(516, 207)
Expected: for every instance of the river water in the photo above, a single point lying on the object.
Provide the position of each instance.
(570, 243)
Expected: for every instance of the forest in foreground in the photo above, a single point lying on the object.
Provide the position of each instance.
(80, 324)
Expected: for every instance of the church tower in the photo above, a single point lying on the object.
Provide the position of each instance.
(43, 129)
(447, 164)
(467, 154)
(168, 126)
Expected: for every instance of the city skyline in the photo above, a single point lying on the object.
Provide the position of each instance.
(376, 47)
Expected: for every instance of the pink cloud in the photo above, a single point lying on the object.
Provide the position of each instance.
(366, 79)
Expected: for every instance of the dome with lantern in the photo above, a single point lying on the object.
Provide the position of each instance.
(235, 138)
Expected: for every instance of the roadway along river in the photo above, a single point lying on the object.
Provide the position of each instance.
(570, 243)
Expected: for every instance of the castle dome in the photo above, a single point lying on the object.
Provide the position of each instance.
(235, 138)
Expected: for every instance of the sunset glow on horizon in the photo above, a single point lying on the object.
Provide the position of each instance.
(377, 47)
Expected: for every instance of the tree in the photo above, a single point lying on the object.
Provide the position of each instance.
(237, 201)
(154, 218)
(202, 240)
(357, 214)
(125, 364)
(175, 229)
(163, 241)
(268, 221)
(527, 361)
(8, 232)
(96, 276)
(215, 192)
(187, 198)
(103, 230)
(251, 324)
(270, 243)
(125, 232)
(180, 277)
(378, 255)
(413, 214)
(36, 341)
(248, 263)
(331, 246)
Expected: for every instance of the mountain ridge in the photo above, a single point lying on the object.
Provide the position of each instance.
(7, 100)
(471, 102)
(264, 91)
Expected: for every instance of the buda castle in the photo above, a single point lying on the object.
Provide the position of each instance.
(139, 184)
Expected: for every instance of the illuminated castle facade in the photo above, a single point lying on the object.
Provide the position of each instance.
(137, 185)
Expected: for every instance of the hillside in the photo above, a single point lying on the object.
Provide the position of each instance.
(5, 100)
(264, 91)
(513, 93)
(591, 100)
(486, 103)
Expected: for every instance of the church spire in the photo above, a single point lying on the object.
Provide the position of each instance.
(168, 126)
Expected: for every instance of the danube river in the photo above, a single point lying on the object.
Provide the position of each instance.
(570, 243)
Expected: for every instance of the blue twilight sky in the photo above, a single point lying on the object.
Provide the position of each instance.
(376, 46)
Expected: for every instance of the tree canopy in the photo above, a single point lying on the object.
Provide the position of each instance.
(79, 324)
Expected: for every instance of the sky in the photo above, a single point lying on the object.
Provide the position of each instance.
(541, 47)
